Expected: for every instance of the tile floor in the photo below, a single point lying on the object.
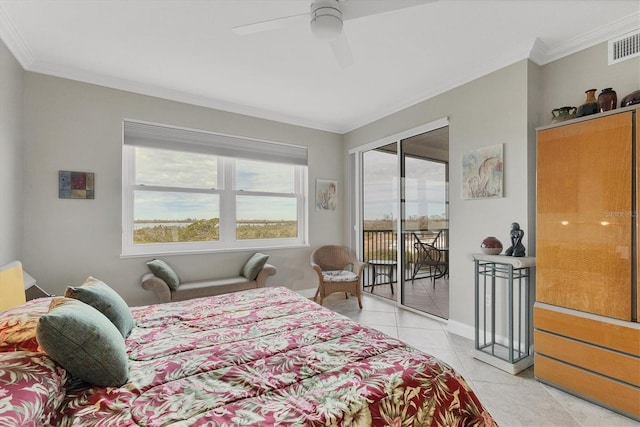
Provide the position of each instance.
(513, 400)
(420, 294)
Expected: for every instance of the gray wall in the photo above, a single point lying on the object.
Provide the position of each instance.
(77, 126)
(503, 107)
(565, 81)
(11, 157)
(487, 111)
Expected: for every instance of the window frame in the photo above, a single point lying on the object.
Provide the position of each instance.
(227, 202)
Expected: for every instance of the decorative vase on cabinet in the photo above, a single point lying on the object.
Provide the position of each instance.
(590, 105)
(563, 113)
(607, 100)
(631, 99)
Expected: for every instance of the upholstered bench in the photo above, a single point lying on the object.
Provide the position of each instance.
(166, 284)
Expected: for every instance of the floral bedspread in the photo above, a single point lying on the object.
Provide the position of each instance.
(269, 357)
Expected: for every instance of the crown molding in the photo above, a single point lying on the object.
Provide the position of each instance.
(18, 48)
(488, 66)
(586, 40)
(15, 43)
(139, 88)
(538, 52)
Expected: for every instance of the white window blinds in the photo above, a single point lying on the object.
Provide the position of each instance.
(198, 141)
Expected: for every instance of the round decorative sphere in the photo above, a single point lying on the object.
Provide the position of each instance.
(491, 246)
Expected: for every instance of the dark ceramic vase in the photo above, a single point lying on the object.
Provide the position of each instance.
(632, 99)
(590, 105)
(607, 100)
(563, 113)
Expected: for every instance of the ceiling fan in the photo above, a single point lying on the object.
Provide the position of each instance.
(326, 19)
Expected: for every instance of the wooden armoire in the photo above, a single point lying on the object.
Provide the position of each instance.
(586, 330)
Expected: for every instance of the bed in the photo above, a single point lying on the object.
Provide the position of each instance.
(260, 357)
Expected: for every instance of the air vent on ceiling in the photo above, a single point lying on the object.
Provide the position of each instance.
(624, 47)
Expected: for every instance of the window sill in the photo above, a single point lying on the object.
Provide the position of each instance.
(209, 251)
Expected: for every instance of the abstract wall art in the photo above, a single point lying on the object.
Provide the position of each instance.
(326, 194)
(482, 173)
(76, 185)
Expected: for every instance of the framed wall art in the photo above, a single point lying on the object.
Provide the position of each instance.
(326, 194)
(483, 173)
(76, 185)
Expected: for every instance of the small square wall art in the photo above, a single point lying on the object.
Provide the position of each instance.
(76, 185)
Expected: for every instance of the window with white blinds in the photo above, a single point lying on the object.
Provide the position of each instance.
(187, 191)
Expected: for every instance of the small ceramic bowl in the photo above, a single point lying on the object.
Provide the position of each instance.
(491, 251)
(491, 246)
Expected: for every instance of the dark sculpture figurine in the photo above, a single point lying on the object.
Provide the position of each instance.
(516, 248)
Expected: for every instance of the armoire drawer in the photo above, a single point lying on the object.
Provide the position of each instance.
(606, 391)
(619, 366)
(598, 330)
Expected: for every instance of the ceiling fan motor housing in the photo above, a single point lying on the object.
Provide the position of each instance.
(326, 19)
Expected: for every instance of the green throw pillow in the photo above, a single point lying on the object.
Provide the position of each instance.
(166, 273)
(103, 298)
(84, 342)
(253, 266)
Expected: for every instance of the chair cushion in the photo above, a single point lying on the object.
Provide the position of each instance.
(339, 276)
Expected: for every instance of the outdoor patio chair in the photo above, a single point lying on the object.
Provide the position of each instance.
(430, 259)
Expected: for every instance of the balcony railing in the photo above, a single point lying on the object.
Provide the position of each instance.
(380, 251)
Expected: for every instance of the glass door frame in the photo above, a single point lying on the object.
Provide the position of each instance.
(356, 191)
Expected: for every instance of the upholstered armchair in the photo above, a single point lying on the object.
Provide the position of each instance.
(338, 270)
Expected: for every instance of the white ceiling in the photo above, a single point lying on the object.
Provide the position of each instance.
(185, 50)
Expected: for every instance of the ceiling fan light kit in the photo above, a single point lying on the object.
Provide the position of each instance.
(326, 19)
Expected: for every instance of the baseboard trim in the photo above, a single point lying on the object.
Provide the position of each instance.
(461, 329)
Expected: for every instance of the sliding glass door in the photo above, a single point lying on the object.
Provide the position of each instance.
(380, 219)
(404, 221)
(424, 213)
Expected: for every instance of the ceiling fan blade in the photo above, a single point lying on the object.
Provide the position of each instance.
(271, 24)
(352, 9)
(342, 51)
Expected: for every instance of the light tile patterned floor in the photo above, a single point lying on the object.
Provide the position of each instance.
(421, 294)
(513, 400)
